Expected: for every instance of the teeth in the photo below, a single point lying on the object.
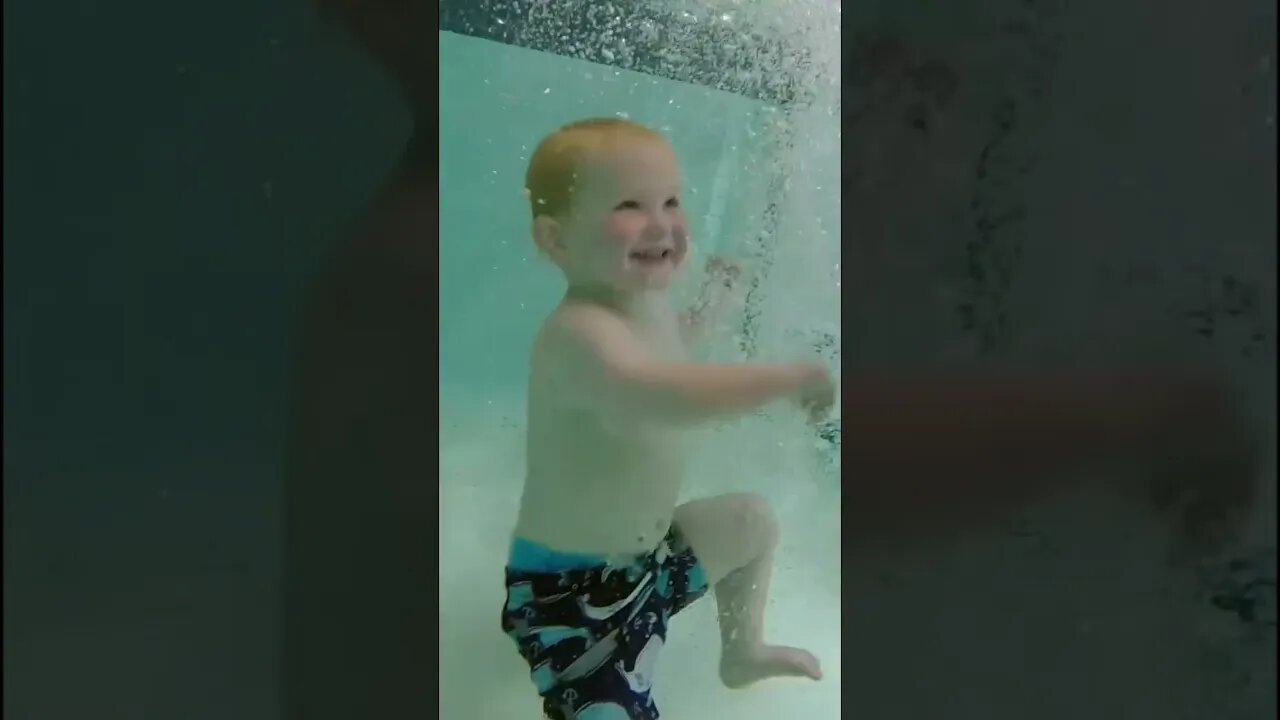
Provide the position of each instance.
(652, 255)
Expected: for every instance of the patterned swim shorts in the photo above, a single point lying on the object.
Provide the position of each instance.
(591, 630)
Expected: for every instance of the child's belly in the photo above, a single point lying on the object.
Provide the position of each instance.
(593, 526)
(601, 497)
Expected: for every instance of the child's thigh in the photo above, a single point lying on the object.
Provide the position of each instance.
(727, 531)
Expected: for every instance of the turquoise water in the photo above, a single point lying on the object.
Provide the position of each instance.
(754, 193)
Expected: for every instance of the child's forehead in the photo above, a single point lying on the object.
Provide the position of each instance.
(631, 163)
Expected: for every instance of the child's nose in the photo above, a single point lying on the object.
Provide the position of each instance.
(658, 227)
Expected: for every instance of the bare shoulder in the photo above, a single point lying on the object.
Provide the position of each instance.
(578, 347)
(582, 332)
(584, 320)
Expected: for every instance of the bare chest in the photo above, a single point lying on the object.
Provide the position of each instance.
(661, 337)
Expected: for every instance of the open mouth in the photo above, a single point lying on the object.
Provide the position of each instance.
(651, 257)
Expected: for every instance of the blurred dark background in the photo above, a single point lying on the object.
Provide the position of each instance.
(1059, 185)
(173, 173)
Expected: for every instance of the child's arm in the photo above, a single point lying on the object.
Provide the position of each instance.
(718, 285)
(605, 367)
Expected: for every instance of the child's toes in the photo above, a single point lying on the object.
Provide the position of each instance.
(800, 662)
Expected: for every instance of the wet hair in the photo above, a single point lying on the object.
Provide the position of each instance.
(554, 166)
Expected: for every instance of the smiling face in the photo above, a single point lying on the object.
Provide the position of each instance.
(622, 228)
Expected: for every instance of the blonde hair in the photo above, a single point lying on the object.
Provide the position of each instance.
(553, 169)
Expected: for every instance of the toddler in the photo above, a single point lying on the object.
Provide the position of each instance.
(602, 555)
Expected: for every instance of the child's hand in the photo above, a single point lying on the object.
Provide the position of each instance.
(817, 396)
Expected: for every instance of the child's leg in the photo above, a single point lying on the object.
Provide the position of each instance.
(733, 537)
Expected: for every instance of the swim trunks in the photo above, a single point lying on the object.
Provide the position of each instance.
(591, 629)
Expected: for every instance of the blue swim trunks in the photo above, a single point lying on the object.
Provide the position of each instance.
(591, 629)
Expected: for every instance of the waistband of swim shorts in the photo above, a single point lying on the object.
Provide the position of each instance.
(529, 556)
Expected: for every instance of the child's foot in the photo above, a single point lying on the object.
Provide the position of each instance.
(768, 661)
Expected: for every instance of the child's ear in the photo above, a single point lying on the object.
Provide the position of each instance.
(547, 235)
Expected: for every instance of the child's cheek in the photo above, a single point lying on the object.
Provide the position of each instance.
(618, 228)
(680, 229)
(680, 234)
